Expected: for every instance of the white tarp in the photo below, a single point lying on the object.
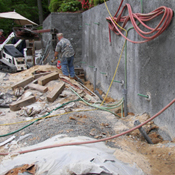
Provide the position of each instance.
(94, 158)
(19, 19)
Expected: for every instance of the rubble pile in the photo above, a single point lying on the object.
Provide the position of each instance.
(40, 103)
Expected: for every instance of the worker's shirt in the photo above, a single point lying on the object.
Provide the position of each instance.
(2, 39)
(65, 49)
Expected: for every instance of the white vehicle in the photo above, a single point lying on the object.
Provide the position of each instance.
(11, 59)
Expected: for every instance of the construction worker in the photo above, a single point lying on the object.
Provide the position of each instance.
(2, 38)
(66, 51)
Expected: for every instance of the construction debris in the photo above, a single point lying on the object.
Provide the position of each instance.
(53, 95)
(23, 83)
(53, 109)
(38, 87)
(45, 79)
(21, 103)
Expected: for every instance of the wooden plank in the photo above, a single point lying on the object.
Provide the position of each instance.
(41, 74)
(38, 87)
(45, 79)
(53, 95)
(15, 106)
(23, 82)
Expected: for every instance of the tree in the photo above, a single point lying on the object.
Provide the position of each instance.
(40, 11)
(34, 10)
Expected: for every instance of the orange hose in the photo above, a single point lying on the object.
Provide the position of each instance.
(133, 17)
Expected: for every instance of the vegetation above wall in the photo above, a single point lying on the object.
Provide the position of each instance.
(72, 5)
(38, 10)
(64, 6)
(26, 8)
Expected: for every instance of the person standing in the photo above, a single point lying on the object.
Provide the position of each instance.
(2, 38)
(66, 51)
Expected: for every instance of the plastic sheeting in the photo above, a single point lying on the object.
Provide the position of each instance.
(94, 158)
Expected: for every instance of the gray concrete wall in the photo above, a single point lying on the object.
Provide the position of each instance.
(150, 66)
(70, 25)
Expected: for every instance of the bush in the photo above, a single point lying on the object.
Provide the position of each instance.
(54, 5)
(70, 6)
(87, 4)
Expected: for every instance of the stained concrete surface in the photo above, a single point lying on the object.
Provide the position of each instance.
(150, 65)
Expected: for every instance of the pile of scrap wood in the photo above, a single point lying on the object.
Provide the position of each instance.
(39, 81)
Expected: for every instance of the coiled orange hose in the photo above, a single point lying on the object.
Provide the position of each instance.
(167, 15)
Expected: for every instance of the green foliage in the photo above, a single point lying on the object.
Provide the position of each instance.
(64, 5)
(27, 11)
(54, 5)
(4, 5)
(26, 8)
(96, 2)
(70, 6)
(45, 5)
(6, 26)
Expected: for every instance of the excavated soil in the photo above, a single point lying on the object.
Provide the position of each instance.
(79, 119)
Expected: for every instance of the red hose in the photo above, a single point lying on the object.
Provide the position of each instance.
(167, 14)
(95, 141)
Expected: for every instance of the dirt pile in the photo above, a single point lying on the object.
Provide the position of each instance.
(72, 116)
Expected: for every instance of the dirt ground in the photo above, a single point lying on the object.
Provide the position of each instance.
(79, 119)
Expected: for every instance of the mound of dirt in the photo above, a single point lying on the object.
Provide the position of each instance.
(79, 119)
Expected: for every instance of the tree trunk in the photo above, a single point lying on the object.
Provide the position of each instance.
(40, 11)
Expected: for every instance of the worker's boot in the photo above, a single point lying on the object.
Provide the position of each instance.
(75, 78)
(66, 76)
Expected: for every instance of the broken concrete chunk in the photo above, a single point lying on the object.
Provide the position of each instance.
(15, 106)
(38, 87)
(18, 91)
(45, 79)
(53, 95)
(23, 82)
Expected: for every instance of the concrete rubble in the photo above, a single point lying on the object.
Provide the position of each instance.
(47, 105)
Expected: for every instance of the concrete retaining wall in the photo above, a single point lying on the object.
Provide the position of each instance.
(150, 66)
(70, 25)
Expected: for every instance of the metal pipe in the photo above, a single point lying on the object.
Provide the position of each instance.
(125, 102)
(98, 94)
(88, 89)
(125, 83)
(79, 79)
(95, 91)
(143, 132)
(146, 96)
(103, 72)
(41, 31)
(117, 81)
(95, 74)
(92, 66)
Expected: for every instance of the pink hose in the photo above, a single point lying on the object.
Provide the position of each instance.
(133, 17)
(95, 141)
